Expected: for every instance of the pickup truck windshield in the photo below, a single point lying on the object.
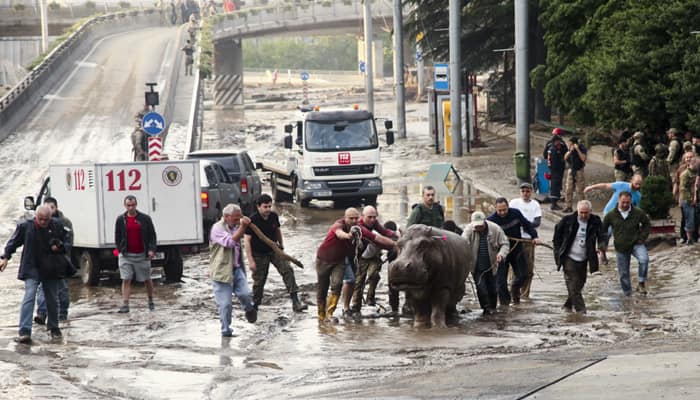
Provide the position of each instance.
(340, 135)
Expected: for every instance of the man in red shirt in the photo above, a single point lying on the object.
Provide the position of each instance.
(342, 240)
(135, 238)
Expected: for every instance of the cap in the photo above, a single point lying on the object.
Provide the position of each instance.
(478, 218)
(638, 135)
(557, 131)
(525, 185)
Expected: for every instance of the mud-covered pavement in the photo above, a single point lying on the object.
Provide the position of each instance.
(176, 351)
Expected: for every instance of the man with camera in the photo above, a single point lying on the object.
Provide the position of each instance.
(43, 261)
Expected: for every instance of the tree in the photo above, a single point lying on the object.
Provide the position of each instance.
(622, 64)
(487, 25)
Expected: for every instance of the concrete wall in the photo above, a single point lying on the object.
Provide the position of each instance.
(18, 103)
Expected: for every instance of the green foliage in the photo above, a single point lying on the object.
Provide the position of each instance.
(124, 4)
(326, 3)
(621, 64)
(319, 52)
(66, 34)
(54, 6)
(19, 7)
(657, 198)
(90, 5)
(206, 47)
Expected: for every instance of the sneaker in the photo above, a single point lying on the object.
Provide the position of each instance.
(123, 309)
(349, 314)
(555, 207)
(56, 333)
(568, 210)
(488, 311)
(23, 339)
(251, 315)
(227, 334)
(63, 318)
(567, 308)
(40, 319)
(151, 305)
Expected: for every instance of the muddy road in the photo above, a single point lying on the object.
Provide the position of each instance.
(176, 351)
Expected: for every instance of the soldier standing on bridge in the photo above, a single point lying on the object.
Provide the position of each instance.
(189, 60)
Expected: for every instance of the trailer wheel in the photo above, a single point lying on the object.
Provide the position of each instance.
(173, 264)
(89, 270)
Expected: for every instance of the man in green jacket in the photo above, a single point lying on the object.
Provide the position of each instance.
(429, 212)
(630, 226)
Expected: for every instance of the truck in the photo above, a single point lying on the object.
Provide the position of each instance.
(92, 195)
(337, 158)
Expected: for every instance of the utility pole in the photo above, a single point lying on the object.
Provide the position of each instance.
(522, 122)
(44, 26)
(398, 71)
(456, 78)
(369, 75)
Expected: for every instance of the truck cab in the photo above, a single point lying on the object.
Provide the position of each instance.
(332, 155)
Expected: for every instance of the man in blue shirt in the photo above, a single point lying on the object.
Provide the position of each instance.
(618, 187)
(511, 220)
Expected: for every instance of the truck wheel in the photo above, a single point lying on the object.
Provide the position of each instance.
(89, 270)
(295, 199)
(173, 264)
(277, 194)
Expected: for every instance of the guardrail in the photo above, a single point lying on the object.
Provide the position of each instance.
(195, 123)
(253, 20)
(16, 103)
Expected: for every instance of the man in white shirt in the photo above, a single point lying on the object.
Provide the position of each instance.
(530, 208)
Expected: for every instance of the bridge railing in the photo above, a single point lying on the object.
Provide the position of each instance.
(18, 102)
(281, 13)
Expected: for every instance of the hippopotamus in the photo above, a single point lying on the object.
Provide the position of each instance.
(431, 269)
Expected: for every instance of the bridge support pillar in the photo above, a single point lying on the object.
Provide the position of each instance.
(377, 57)
(228, 74)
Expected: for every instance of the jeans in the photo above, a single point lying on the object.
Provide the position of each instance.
(63, 300)
(349, 271)
(639, 251)
(516, 260)
(223, 294)
(26, 312)
(688, 216)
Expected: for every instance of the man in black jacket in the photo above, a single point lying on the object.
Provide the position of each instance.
(41, 238)
(135, 237)
(574, 241)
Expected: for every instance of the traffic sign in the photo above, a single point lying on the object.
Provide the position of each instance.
(153, 123)
(442, 76)
(304, 76)
(363, 67)
(155, 148)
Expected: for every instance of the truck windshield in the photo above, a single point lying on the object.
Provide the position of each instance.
(340, 135)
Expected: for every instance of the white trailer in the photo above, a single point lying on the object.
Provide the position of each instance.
(92, 196)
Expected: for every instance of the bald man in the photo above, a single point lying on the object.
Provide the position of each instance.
(39, 238)
(370, 261)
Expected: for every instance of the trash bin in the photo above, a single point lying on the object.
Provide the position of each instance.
(540, 170)
(522, 166)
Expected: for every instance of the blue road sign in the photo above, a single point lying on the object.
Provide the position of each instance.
(304, 76)
(153, 123)
(442, 76)
(363, 67)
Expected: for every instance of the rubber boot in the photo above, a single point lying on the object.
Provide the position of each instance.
(321, 311)
(332, 304)
(297, 306)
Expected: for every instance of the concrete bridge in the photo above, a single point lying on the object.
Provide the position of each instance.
(310, 17)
